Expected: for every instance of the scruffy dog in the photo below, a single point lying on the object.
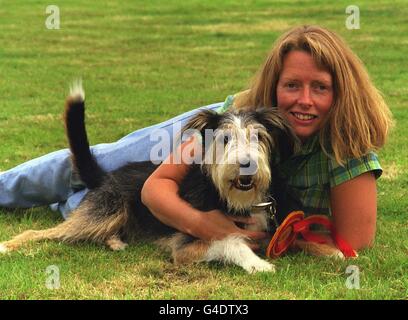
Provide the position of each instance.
(112, 212)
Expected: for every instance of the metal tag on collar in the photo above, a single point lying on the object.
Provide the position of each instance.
(270, 208)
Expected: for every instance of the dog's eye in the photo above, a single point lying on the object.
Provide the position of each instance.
(224, 137)
(254, 136)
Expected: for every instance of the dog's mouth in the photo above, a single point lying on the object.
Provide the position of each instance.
(243, 183)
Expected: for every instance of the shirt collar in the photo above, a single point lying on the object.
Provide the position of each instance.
(309, 146)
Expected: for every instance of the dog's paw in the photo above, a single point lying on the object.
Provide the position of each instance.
(116, 244)
(3, 248)
(119, 246)
(338, 255)
(258, 265)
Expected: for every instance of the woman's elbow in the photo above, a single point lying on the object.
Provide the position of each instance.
(364, 244)
(145, 192)
(362, 241)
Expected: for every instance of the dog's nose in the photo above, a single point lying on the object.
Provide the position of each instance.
(244, 161)
(245, 165)
(248, 167)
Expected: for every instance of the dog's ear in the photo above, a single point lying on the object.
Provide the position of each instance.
(280, 130)
(203, 120)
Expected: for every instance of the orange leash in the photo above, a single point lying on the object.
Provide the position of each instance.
(296, 223)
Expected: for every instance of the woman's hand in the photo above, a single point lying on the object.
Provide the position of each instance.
(215, 225)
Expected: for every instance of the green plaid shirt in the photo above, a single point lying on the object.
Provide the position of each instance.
(310, 173)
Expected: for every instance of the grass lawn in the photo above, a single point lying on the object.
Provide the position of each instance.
(143, 62)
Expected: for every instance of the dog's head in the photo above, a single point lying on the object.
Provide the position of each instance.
(237, 151)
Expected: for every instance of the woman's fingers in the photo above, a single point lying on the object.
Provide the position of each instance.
(217, 226)
(255, 235)
(245, 220)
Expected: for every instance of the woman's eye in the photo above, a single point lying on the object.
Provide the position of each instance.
(321, 87)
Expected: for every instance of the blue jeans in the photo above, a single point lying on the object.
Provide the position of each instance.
(48, 180)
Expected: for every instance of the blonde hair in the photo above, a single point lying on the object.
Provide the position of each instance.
(359, 119)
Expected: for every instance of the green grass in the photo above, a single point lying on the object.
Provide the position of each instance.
(146, 61)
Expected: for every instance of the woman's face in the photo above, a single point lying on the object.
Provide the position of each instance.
(304, 93)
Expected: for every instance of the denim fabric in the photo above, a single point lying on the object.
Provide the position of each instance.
(49, 180)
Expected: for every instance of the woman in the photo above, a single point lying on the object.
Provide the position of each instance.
(323, 90)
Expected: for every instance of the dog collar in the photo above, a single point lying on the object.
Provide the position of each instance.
(270, 208)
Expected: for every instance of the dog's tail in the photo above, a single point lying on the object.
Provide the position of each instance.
(84, 163)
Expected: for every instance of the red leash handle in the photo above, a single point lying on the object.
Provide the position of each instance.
(303, 227)
(296, 223)
(284, 235)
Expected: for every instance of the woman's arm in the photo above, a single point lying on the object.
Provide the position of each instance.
(160, 195)
(354, 209)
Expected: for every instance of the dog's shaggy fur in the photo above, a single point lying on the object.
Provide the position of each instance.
(112, 211)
